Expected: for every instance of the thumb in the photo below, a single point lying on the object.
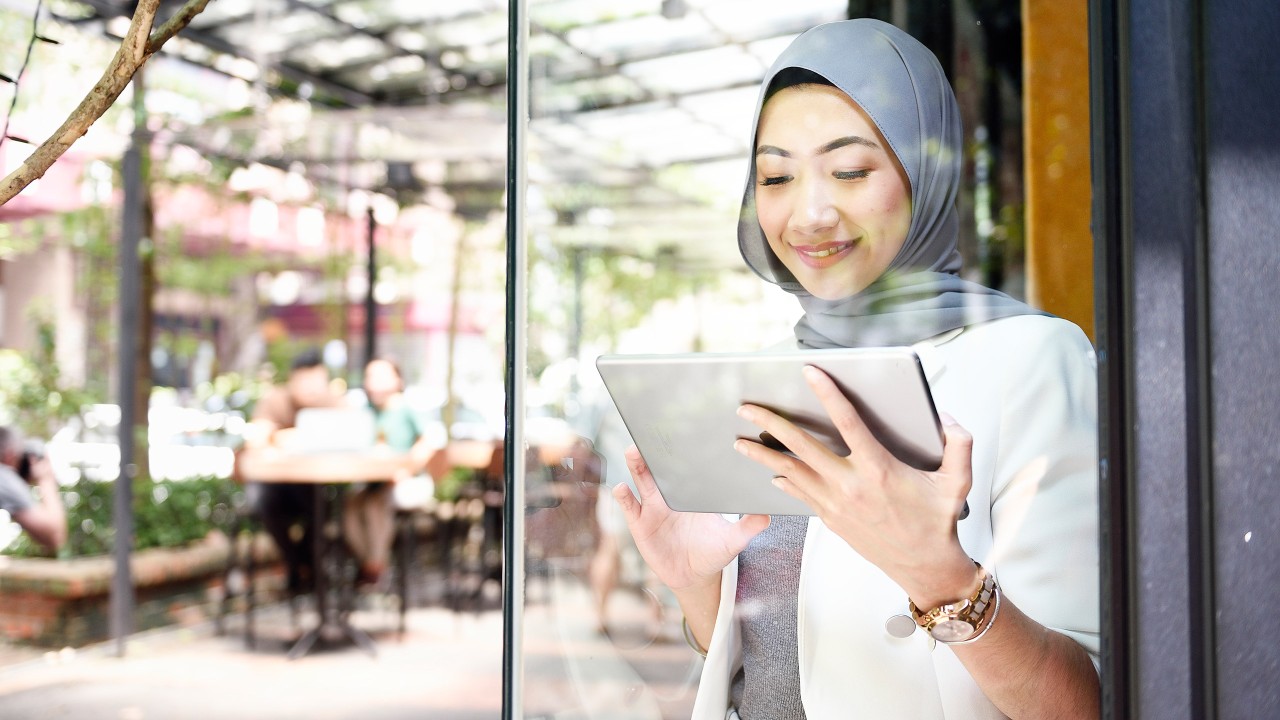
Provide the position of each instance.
(742, 532)
(957, 448)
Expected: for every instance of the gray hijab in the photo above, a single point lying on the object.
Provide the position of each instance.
(901, 86)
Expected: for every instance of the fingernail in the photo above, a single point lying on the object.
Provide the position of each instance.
(777, 482)
(744, 412)
(740, 446)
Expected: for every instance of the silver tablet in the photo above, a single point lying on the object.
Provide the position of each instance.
(681, 411)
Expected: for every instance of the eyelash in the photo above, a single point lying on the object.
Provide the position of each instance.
(839, 175)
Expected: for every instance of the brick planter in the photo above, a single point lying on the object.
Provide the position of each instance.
(59, 603)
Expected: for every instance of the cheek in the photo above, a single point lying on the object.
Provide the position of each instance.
(893, 213)
(901, 208)
(899, 205)
(772, 217)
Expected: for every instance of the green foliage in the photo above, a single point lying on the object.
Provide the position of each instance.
(211, 272)
(618, 291)
(550, 18)
(169, 513)
(619, 287)
(57, 76)
(449, 487)
(231, 392)
(16, 239)
(31, 389)
(91, 232)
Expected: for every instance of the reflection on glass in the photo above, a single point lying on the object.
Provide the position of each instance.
(862, 193)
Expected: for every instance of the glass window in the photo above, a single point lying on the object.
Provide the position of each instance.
(639, 146)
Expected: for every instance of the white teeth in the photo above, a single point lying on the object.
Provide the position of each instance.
(826, 253)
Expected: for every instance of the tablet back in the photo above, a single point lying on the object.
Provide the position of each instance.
(681, 411)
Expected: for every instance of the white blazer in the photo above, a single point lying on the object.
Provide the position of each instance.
(1025, 387)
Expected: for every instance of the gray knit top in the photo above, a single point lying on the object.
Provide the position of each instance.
(767, 687)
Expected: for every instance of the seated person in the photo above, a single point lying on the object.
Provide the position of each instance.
(287, 510)
(368, 517)
(46, 520)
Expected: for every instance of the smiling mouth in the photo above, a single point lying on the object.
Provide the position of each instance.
(825, 252)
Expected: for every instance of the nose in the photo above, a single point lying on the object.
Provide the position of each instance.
(814, 210)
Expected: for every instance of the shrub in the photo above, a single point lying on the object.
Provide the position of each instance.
(166, 513)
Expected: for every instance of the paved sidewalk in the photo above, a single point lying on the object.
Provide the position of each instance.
(641, 670)
(447, 667)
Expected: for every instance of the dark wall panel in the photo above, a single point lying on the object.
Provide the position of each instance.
(1163, 221)
(1242, 140)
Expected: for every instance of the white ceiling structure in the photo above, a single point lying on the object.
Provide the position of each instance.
(640, 108)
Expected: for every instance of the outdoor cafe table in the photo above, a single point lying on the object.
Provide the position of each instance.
(320, 470)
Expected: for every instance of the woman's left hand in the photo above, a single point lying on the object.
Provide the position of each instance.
(901, 519)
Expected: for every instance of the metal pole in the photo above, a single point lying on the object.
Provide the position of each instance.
(122, 596)
(516, 320)
(371, 305)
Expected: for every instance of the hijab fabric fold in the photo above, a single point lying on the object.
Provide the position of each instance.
(901, 86)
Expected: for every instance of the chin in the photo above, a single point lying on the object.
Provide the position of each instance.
(832, 292)
(833, 296)
(834, 283)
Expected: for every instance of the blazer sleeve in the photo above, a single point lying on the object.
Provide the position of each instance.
(1044, 508)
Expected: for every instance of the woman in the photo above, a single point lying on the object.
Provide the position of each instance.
(368, 518)
(850, 206)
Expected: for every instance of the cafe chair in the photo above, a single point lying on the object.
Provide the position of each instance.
(240, 574)
(404, 559)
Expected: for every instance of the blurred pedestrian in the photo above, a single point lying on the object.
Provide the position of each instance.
(22, 467)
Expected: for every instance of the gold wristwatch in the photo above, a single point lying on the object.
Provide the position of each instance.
(965, 620)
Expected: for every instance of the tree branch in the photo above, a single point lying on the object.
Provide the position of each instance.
(180, 19)
(139, 43)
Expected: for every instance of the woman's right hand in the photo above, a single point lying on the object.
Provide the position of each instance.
(686, 550)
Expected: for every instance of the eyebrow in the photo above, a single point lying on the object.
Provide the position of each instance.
(833, 145)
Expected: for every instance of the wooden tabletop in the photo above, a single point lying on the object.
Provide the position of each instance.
(272, 465)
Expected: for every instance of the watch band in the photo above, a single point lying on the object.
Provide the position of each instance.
(987, 622)
(965, 620)
(689, 638)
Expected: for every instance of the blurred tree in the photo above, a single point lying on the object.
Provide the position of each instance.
(139, 44)
(31, 388)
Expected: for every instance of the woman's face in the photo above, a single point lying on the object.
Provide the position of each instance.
(381, 382)
(831, 197)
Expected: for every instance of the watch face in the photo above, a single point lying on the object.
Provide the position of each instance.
(949, 631)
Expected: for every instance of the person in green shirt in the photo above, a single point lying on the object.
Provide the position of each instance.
(369, 515)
